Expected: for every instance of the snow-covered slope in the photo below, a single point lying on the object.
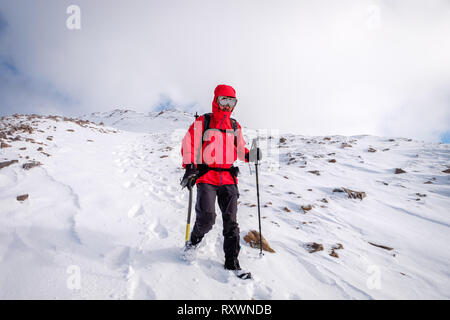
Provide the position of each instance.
(105, 216)
(130, 120)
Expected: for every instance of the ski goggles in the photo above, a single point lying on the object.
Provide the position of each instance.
(227, 101)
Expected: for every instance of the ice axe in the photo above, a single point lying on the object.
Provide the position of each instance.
(189, 182)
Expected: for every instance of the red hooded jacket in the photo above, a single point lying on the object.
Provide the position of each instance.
(218, 149)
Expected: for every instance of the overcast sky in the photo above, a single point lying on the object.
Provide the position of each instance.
(312, 67)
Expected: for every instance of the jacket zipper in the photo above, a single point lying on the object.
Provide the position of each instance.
(220, 173)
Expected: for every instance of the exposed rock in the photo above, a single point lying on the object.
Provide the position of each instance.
(354, 194)
(25, 128)
(314, 247)
(399, 171)
(7, 163)
(334, 254)
(22, 197)
(275, 223)
(338, 246)
(428, 182)
(421, 194)
(327, 138)
(164, 156)
(387, 149)
(316, 172)
(253, 239)
(291, 160)
(40, 149)
(306, 208)
(381, 246)
(345, 145)
(23, 148)
(391, 140)
(338, 190)
(287, 209)
(324, 200)
(446, 171)
(4, 145)
(70, 130)
(282, 140)
(371, 150)
(332, 160)
(31, 164)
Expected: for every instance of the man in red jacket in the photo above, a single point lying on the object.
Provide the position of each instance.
(209, 156)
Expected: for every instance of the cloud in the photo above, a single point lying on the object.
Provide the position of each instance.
(311, 67)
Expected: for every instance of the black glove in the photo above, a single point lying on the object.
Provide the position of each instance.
(254, 154)
(190, 176)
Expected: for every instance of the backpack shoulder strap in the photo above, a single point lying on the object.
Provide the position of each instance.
(235, 128)
(206, 121)
(234, 124)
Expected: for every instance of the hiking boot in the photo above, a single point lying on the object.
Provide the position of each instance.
(232, 264)
(189, 252)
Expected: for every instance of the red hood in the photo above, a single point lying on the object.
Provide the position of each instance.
(222, 90)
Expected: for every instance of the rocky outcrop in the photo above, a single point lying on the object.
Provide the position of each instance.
(381, 246)
(22, 197)
(352, 194)
(253, 239)
(314, 247)
(31, 164)
(7, 163)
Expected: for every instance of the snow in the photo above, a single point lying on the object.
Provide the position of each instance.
(106, 216)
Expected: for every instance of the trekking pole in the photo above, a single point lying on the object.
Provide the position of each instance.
(255, 145)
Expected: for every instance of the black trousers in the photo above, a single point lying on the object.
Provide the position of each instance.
(206, 216)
